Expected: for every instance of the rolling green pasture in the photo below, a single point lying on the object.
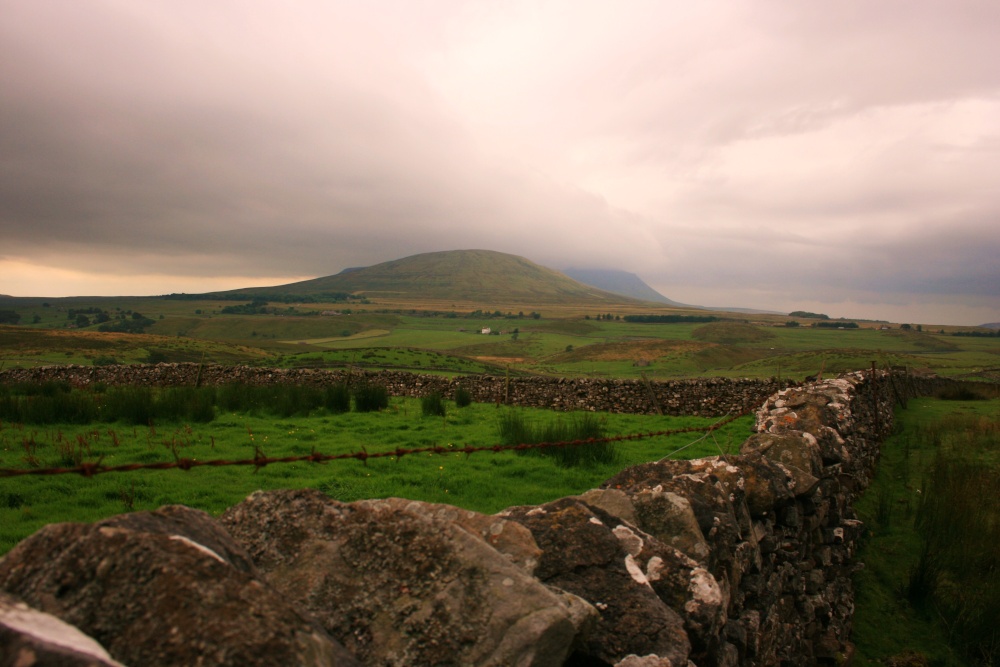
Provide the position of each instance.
(562, 342)
(484, 481)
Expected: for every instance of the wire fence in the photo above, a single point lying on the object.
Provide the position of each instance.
(259, 460)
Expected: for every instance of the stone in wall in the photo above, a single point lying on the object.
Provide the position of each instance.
(150, 594)
(589, 553)
(698, 397)
(31, 638)
(399, 584)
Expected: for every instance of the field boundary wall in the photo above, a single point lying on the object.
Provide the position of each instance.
(745, 560)
(695, 397)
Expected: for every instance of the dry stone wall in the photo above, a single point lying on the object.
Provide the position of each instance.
(715, 561)
(697, 397)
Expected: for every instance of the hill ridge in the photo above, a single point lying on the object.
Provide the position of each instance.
(474, 275)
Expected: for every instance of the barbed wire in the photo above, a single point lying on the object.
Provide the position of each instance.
(259, 460)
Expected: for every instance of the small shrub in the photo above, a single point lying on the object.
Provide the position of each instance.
(104, 360)
(370, 398)
(463, 397)
(432, 405)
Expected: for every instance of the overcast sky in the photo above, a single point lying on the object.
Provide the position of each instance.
(842, 157)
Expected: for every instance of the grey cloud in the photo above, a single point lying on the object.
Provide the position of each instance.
(761, 146)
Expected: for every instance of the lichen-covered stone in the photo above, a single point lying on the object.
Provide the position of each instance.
(153, 596)
(585, 551)
(508, 537)
(403, 587)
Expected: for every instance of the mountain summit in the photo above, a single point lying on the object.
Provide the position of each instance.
(456, 275)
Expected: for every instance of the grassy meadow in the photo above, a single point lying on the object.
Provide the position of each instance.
(484, 481)
(931, 581)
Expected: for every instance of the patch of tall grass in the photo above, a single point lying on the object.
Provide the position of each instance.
(337, 398)
(463, 397)
(432, 405)
(958, 521)
(58, 403)
(514, 429)
(370, 398)
(931, 581)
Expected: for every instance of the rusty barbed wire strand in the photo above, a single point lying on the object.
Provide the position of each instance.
(89, 469)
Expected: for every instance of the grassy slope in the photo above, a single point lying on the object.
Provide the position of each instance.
(23, 346)
(463, 275)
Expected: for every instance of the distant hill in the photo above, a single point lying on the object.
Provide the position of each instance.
(483, 276)
(621, 282)
(991, 325)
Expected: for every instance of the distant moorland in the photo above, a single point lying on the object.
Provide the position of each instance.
(472, 312)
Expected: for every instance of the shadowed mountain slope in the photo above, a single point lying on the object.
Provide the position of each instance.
(621, 282)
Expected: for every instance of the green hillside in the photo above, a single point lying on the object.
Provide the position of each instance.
(459, 275)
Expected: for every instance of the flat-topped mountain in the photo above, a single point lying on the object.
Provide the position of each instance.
(460, 275)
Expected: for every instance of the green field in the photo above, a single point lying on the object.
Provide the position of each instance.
(484, 481)
(562, 341)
